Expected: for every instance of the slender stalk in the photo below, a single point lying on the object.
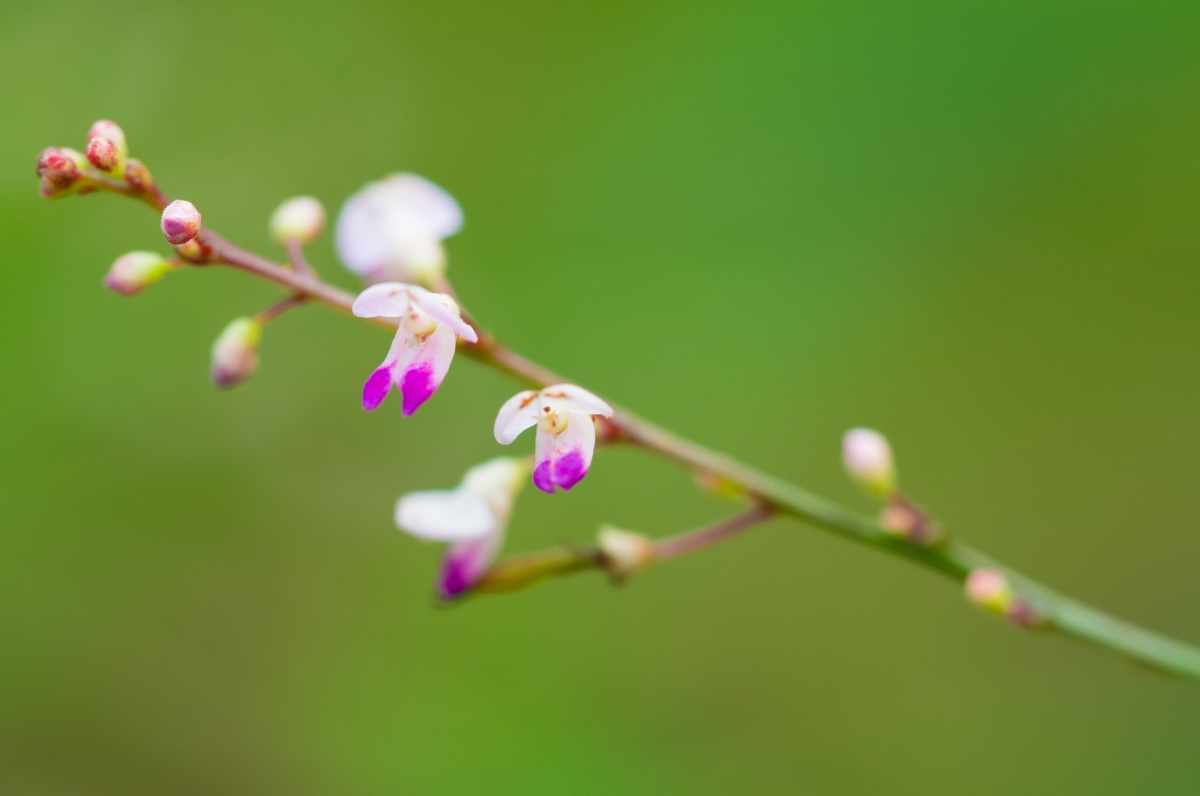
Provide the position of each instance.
(691, 541)
(950, 558)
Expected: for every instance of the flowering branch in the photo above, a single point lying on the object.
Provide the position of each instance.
(408, 217)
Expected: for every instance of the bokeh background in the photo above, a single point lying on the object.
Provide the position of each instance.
(971, 225)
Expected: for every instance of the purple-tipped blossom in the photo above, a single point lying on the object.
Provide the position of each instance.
(393, 229)
(180, 222)
(868, 459)
(134, 272)
(566, 435)
(423, 347)
(301, 218)
(472, 518)
(235, 352)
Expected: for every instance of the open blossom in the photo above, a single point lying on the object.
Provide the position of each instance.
(566, 435)
(424, 345)
(472, 518)
(393, 229)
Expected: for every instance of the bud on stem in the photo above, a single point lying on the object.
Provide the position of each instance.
(180, 222)
(625, 553)
(868, 460)
(134, 272)
(301, 218)
(235, 352)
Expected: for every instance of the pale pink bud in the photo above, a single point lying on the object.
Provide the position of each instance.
(109, 131)
(235, 352)
(301, 218)
(102, 154)
(134, 272)
(180, 222)
(868, 459)
(989, 590)
(625, 553)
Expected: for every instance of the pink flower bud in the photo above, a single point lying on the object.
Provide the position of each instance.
(134, 272)
(102, 154)
(302, 218)
(60, 169)
(625, 553)
(868, 459)
(180, 222)
(109, 131)
(235, 352)
(989, 590)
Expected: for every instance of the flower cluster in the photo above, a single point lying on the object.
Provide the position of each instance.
(390, 235)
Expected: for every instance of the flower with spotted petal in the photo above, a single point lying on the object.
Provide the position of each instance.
(472, 518)
(424, 345)
(566, 435)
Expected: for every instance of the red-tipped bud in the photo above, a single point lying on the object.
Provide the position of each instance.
(109, 131)
(180, 222)
(102, 154)
(60, 169)
(134, 272)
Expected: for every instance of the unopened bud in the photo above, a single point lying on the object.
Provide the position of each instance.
(103, 155)
(235, 353)
(191, 251)
(134, 272)
(180, 222)
(109, 131)
(868, 459)
(989, 590)
(60, 169)
(301, 218)
(625, 553)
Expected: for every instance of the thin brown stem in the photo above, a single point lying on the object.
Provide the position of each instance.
(691, 541)
(295, 250)
(279, 307)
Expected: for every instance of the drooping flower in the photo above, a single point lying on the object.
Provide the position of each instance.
(424, 345)
(393, 229)
(566, 435)
(471, 517)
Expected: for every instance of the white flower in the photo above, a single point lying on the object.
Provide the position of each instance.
(393, 229)
(566, 435)
(471, 517)
(423, 347)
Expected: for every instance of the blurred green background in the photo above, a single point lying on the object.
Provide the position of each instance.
(971, 225)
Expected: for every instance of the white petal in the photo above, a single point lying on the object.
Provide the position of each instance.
(497, 482)
(387, 299)
(445, 515)
(421, 368)
(443, 309)
(440, 215)
(377, 226)
(518, 413)
(572, 398)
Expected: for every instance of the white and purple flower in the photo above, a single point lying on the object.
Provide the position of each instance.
(424, 345)
(472, 518)
(566, 435)
(393, 229)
